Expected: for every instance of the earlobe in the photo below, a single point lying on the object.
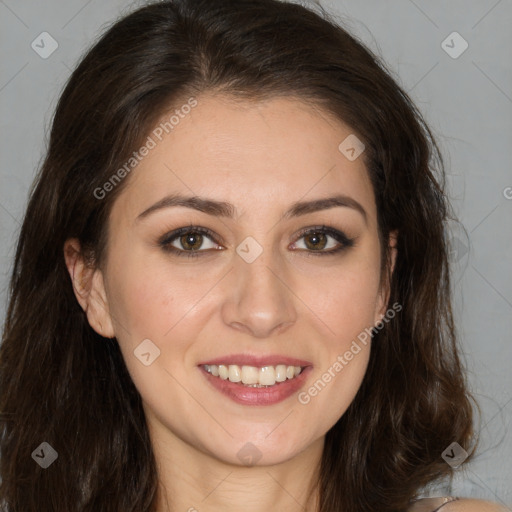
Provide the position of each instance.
(89, 289)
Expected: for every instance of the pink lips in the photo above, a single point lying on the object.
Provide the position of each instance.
(245, 395)
(259, 361)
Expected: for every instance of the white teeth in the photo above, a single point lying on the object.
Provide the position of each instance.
(250, 375)
(280, 373)
(223, 371)
(253, 376)
(235, 374)
(267, 376)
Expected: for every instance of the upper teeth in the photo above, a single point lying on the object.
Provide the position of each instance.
(252, 375)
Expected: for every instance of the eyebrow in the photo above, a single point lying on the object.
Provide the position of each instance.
(224, 209)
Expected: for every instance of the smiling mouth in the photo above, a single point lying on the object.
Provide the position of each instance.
(254, 376)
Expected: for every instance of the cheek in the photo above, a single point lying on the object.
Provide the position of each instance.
(148, 297)
(345, 297)
(162, 303)
(345, 301)
(343, 354)
(148, 303)
(335, 381)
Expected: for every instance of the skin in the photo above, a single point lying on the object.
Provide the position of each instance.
(261, 157)
(462, 505)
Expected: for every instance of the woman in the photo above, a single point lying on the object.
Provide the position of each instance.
(231, 285)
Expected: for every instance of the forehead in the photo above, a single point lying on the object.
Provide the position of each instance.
(278, 151)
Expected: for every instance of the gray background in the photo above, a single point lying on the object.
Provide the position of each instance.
(467, 101)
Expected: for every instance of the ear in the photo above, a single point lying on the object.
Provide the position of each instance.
(386, 286)
(89, 289)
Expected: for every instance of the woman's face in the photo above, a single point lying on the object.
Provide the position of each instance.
(257, 292)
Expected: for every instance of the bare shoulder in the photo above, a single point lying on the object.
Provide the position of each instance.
(473, 505)
(460, 505)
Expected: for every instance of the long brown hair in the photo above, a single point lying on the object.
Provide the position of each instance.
(62, 383)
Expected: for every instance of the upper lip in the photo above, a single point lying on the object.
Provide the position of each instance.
(258, 361)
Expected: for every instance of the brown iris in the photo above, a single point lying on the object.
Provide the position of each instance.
(192, 241)
(318, 239)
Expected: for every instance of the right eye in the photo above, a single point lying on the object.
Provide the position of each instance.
(190, 238)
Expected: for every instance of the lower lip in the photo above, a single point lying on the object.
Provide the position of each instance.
(258, 396)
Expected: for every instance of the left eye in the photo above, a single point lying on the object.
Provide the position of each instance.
(317, 240)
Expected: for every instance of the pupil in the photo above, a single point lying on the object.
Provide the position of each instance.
(189, 241)
(317, 237)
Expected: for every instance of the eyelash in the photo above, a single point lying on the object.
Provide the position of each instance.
(339, 236)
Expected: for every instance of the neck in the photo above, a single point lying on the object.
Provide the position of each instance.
(192, 481)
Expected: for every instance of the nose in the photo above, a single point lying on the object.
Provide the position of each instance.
(259, 300)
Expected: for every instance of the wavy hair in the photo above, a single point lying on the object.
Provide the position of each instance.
(62, 383)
